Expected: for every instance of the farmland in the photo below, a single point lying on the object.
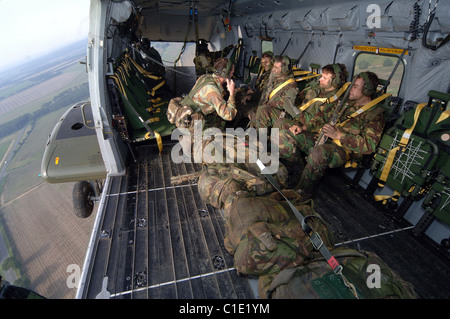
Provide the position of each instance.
(43, 235)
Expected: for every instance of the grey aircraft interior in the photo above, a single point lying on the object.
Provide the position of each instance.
(154, 235)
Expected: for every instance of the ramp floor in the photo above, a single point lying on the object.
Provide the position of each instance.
(157, 240)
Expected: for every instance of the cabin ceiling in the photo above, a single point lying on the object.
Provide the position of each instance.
(232, 7)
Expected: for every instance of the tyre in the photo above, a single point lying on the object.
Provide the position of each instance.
(82, 199)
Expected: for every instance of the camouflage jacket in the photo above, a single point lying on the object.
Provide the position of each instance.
(207, 94)
(283, 99)
(362, 133)
(260, 85)
(321, 109)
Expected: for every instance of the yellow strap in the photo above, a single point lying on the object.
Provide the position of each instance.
(159, 104)
(310, 102)
(395, 196)
(143, 71)
(443, 116)
(407, 134)
(323, 100)
(154, 110)
(365, 107)
(298, 72)
(403, 142)
(152, 120)
(158, 140)
(154, 89)
(307, 77)
(388, 165)
(280, 87)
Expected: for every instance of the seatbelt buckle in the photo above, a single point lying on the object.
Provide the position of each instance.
(316, 241)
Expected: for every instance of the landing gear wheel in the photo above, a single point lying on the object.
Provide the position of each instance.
(446, 243)
(82, 195)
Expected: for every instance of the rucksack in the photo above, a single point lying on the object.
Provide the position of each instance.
(218, 181)
(264, 236)
(365, 272)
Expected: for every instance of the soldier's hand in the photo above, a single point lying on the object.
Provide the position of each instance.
(231, 86)
(331, 132)
(296, 129)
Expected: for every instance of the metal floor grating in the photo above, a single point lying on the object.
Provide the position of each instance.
(156, 240)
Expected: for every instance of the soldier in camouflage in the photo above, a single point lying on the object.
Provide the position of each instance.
(204, 59)
(247, 99)
(319, 96)
(313, 117)
(353, 136)
(207, 96)
(278, 99)
(253, 95)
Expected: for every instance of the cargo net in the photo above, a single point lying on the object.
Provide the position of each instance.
(414, 155)
(445, 194)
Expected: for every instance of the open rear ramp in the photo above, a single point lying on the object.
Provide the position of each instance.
(156, 240)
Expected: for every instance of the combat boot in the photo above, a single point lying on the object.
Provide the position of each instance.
(294, 172)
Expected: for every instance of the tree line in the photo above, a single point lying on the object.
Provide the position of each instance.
(64, 99)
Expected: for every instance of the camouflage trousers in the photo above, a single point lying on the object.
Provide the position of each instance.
(264, 116)
(293, 147)
(320, 157)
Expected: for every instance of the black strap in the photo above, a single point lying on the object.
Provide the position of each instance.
(314, 237)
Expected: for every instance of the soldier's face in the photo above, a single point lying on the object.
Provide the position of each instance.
(325, 80)
(276, 69)
(266, 63)
(356, 90)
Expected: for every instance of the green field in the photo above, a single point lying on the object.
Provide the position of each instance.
(43, 236)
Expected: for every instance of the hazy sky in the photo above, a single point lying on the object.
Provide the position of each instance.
(29, 28)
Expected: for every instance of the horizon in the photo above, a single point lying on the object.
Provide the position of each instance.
(32, 29)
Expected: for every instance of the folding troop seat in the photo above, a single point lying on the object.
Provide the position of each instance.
(145, 98)
(412, 157)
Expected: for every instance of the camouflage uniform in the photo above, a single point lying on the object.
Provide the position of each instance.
(255, 97)
(302, 118)
(272, 107)
(361, 135)
(207, 96)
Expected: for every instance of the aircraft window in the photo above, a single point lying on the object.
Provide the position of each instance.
(266, 46)
(381, 65)
(170, 51)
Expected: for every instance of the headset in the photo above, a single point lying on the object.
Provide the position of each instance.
(287, 65)
(337, 82)
(225, 72)
(368, 89)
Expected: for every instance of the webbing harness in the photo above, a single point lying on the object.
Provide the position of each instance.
(361, 110)
(314, 237)
(400, 147)
(282, 85)
(325, 100)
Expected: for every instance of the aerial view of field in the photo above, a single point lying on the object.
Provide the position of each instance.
(42, 241)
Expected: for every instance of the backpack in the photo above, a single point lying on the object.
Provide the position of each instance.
(263, 234)
(218, 181)
(366, 272)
